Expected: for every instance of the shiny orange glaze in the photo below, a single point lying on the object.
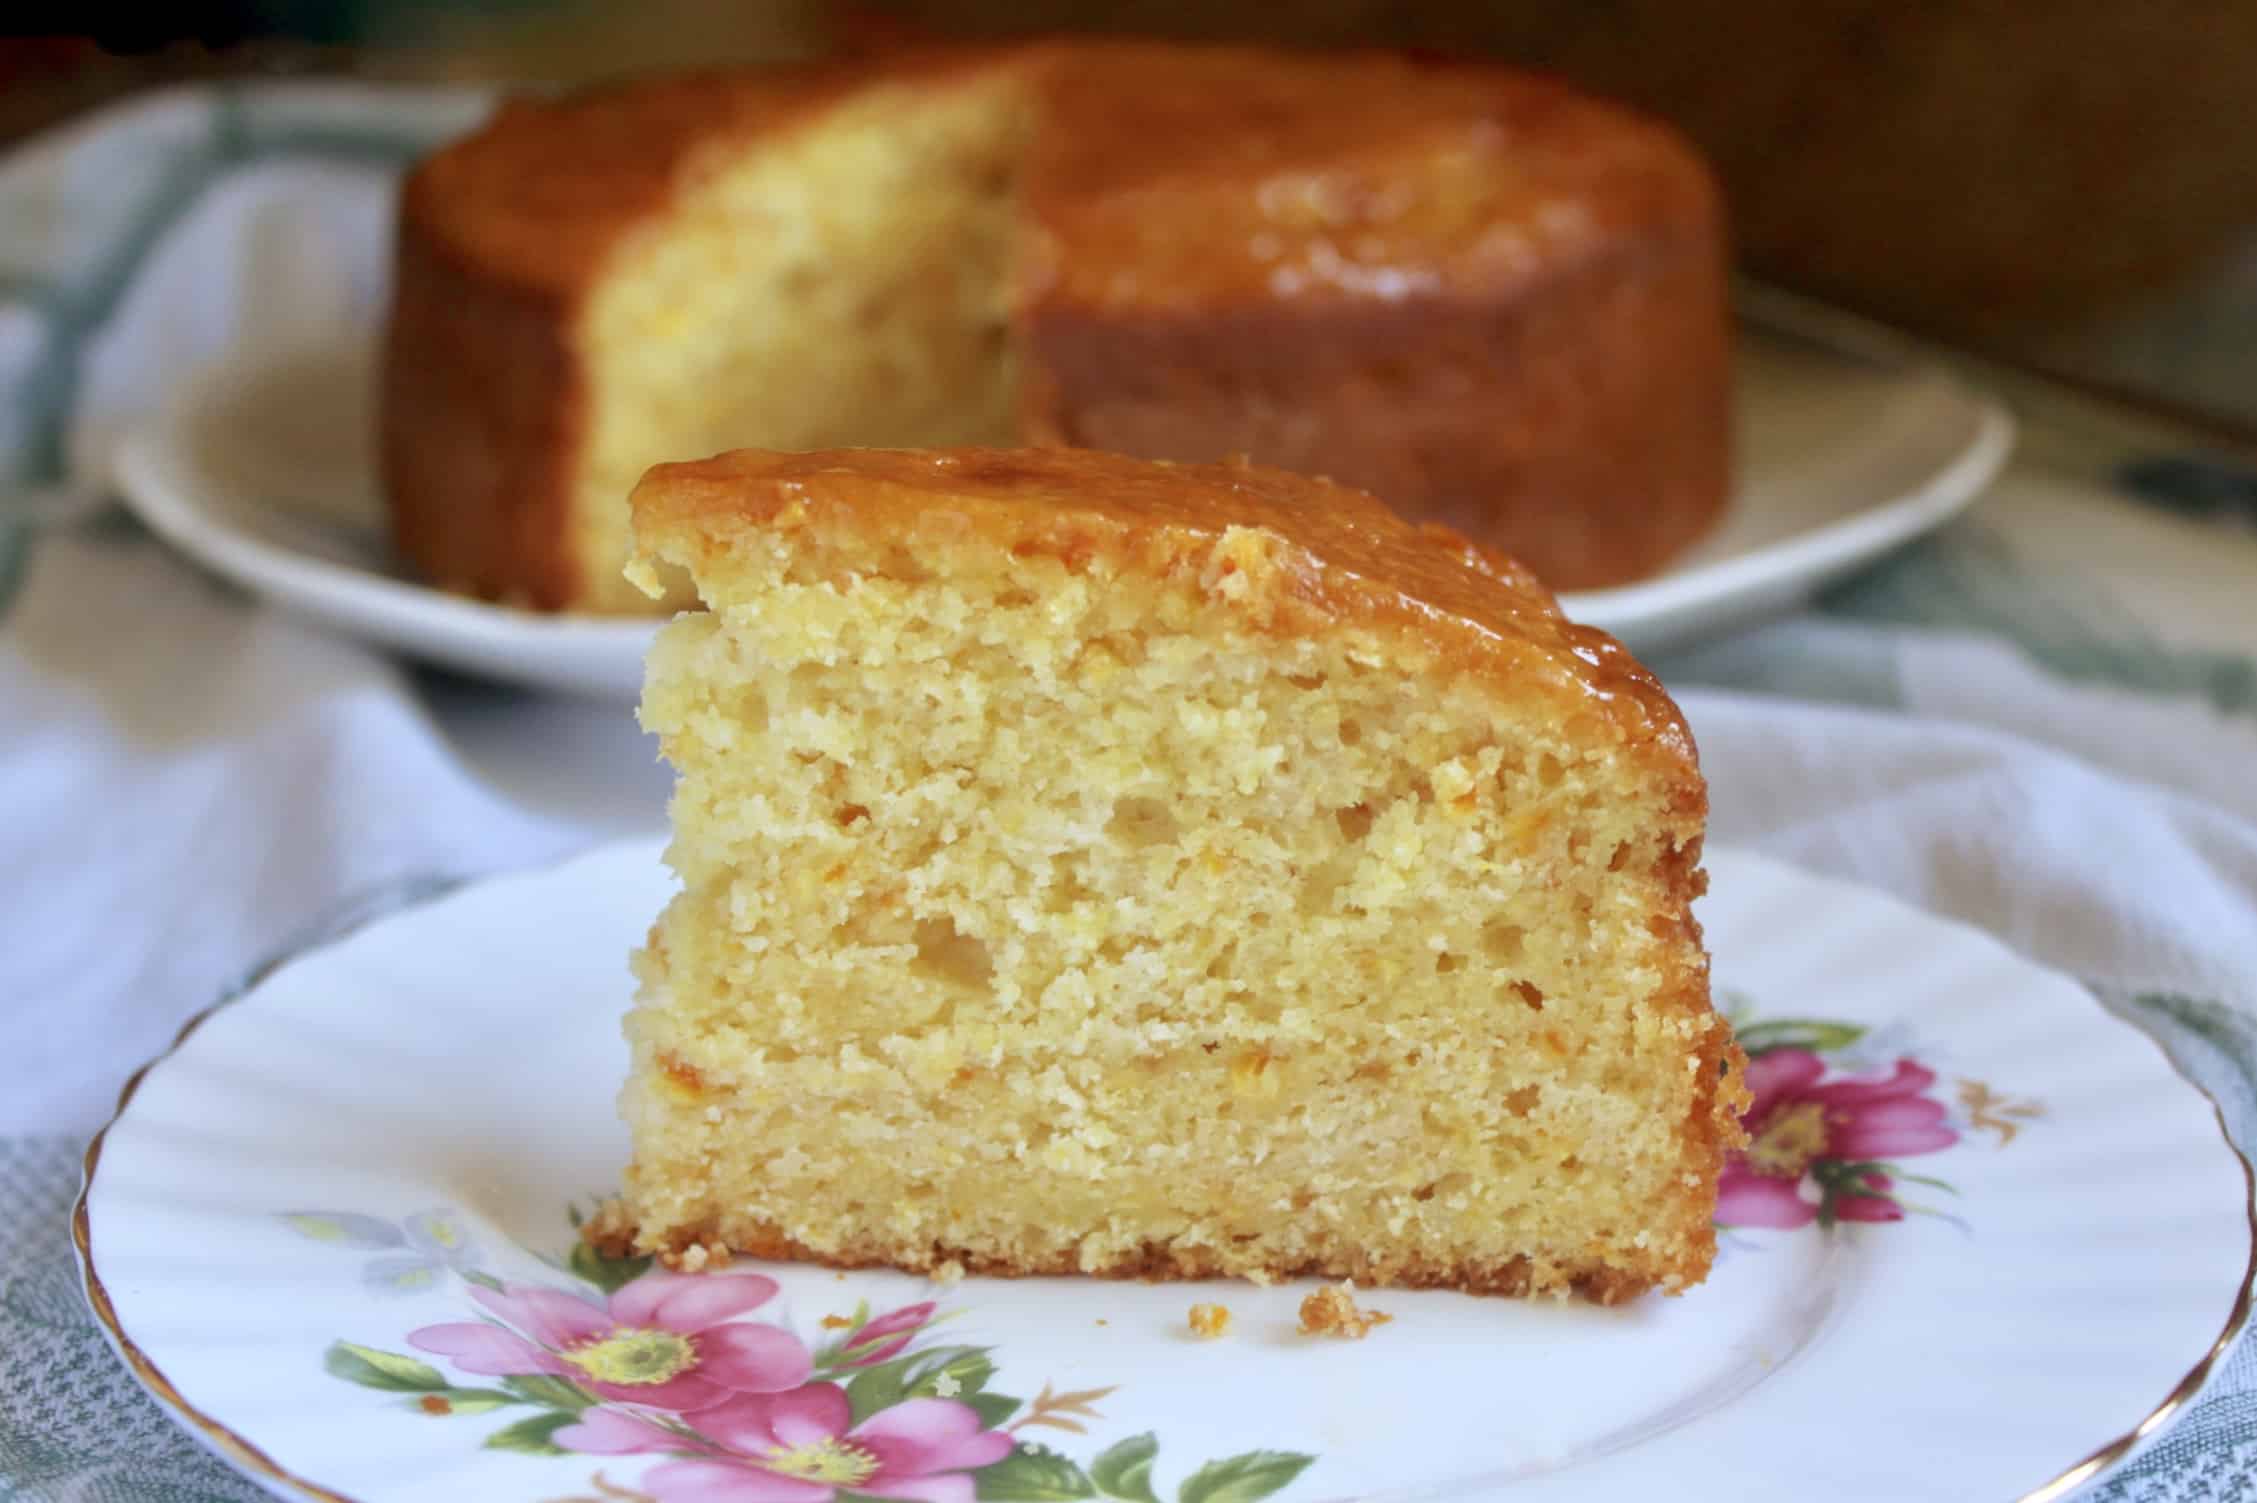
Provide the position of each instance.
(1171, 179)
(1313, 553)
(1165, 177)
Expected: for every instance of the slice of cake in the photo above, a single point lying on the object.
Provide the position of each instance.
(1094, 865)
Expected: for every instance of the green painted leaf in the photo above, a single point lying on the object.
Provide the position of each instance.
(876, 1388)
(442, 1235)
(482, 1279)
(344, 1229)
(371, 1368)
(548, 1392)
(1244, 1478)
(1837, 1174)
(1029, 1475)
(992, 1408)
(450, 1401)
(917, 1375)
(605, 1273)
(1124, 1471)
(1922, 1179)
(531, 1435)
(411, 1274)
(1814, 1034)
(968, 1373)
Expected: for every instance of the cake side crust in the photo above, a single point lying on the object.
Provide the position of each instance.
(482, 405)
(1583, 422)
(613, 1232)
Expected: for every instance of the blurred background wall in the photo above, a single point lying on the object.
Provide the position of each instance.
(2067, 184)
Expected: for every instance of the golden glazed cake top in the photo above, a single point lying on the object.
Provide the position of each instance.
(1291, 553)
(1175, 178)
(1157, 178)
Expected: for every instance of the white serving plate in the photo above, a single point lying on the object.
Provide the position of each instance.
(316, 1227)
(263, 474)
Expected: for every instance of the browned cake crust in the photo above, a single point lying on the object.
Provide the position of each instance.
(482, 408)
(1153, 1264)
(1497, 302)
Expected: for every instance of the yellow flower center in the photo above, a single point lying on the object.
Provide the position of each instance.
(832, 1461)
(634, 1357)
(1788, 1140)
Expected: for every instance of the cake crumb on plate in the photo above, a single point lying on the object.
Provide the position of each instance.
(1333, 1311)
(1210, 1321)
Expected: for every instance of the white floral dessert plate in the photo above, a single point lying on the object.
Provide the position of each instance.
(263, 476)
(1985, 1243)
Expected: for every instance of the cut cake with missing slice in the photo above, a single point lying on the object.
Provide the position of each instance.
(1093, 865)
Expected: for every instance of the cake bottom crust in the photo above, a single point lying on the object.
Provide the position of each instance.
(614, 1232)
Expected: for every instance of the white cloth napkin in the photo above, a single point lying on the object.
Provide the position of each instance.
(2043, 722)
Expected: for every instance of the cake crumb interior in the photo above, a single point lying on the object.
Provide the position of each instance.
(1049, 918)
(844, 284)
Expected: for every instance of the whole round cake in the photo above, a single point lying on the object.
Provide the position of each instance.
(1495, 301)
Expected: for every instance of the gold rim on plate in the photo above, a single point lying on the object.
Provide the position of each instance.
(240, 1451)
(214, 1434)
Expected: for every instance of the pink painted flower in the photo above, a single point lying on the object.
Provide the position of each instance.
(1799, 1128)
(666, 1340)
(886, 1335)
(801, 1447)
